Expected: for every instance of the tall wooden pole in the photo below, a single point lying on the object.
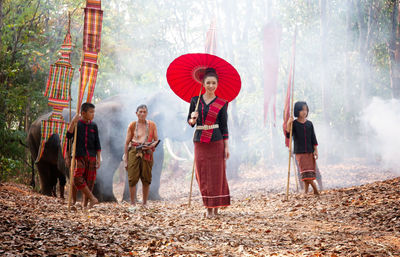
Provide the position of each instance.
(191, 182)
(295, 174)
(70, 98)
(71, 172)
(291, 112)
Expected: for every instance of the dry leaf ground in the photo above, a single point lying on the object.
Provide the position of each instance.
(356, 221)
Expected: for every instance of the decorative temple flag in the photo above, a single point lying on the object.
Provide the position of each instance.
(93, 4)
(272, 37)
(91, 47)
(87, 80)
(92, 26)
(289, 93)
(211, 41)
(58, 93)
(286, 110)
(50, 127)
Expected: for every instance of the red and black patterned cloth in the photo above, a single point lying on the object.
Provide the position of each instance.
(85, 172)
(213, 113)
(211, 173)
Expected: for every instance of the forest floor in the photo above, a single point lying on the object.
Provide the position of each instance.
(362, 220)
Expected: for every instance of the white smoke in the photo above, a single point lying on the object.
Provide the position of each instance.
(381, 119)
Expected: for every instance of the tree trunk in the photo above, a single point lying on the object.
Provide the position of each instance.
(1, 22)
(235, 142)
(347, 73)
(364, 24)
(394, 51)
(324, 59)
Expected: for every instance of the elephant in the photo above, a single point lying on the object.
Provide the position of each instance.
(52, 167)
(113, 116)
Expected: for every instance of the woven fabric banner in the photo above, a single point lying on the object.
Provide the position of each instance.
(50, 127)
(59, 82)
(88, 79)
(93, 22)
(94, 4)
(58, 91)
(90, 57)
(92, 29)
(65, 51)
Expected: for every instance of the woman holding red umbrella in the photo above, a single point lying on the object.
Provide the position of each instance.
(208, 83)
(211, 144)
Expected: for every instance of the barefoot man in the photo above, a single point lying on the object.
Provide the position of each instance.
(141, 141)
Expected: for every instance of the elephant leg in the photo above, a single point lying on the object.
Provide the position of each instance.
(156, 173)
(126, 196)
(61, 182)
(318, 177)
(33, 173)
(54, 176)
(47, 179)
(103, 188)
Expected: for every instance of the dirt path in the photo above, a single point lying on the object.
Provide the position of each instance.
(357, 221)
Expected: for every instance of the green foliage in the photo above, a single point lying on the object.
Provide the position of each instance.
(30, 31)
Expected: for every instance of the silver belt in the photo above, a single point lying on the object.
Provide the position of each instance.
(207, 127)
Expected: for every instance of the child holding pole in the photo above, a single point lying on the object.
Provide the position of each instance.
(87, 153)
(305, 144)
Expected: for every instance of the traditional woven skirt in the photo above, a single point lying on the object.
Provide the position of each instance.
(85, 172)
(211, 174)
(306, 163)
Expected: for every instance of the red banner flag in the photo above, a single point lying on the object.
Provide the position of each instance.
(286, 110)
(272, 37)
(289, 93)
(211, 42)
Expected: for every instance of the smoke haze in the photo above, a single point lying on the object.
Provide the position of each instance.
(334, 75)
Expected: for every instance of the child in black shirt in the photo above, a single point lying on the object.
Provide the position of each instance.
(87, 153)
(305, 144)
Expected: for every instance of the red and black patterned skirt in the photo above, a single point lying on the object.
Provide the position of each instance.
(211, 174)
(85, 172)
(306, 163)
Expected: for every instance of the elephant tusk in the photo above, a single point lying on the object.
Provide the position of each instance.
(169, 148)
(191, 155)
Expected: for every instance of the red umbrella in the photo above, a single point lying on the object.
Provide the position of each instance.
(185, 75)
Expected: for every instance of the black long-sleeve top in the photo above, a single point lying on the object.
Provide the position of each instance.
(303, 136)
(88, 142)
(222, 119)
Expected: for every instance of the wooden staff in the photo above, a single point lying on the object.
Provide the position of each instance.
(71, 172)
(295, 174)
(291, 112)
(70, 98)
(191, 182)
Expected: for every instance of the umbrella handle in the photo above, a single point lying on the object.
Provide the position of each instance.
(198, 100)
